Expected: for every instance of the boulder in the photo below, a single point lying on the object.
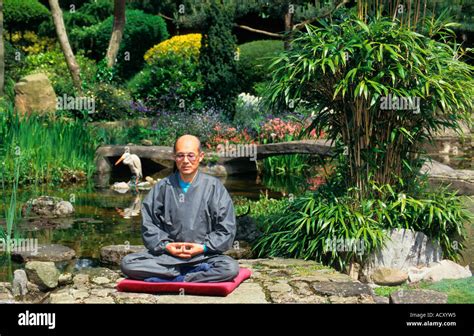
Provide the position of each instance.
(45, 252)
(47, 206)
(461, 180)
(240, 250)
(445, 269)
(35, 94)
(403, 249)
(389, 276)
(422, 296)
(43, 274)
(247, 229)
(113, 254)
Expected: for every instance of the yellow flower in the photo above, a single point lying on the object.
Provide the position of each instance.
(181, 45)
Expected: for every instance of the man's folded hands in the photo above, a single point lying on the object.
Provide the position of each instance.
(184, 250)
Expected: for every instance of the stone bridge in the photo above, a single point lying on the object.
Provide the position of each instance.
(228, 161)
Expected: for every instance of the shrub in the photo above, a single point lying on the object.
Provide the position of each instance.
(53, 64)
(145, 28)
(14, 62)
(87, 15)
(287, 129)
(111, 103)
(182, 46)
(223, 133)
(347, 70)
(30, 43)
(303, 228)
(23, 14)
(254, 63)
(217, 58)
(170, 83)
(248, 112)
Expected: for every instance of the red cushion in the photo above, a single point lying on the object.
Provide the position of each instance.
(194, 288)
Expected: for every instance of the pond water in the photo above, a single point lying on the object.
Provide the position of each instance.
(105, 217)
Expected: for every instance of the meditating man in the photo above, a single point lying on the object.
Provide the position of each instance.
(188, 222)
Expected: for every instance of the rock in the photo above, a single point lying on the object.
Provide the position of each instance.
(81, 281)
(113, 254)
(35, 94)
(247, 229)
(99, 300)
(144, 186)
(101, 281)
(43, 274)
(47, 206)
(63, 208)
(80, 294)
(122, 297)
(146, 142)
(61, 298)
(65, 279)
(281, 293)
(389, 276)
(45, 252)
(151, 180)
(20, 283)
(461, 180)
(100, 272)
(6, 293)
(344, 289)
(381, 299)
(403, 249)
(445, 269)
(121, 187)
(418, 296)
(241, 250)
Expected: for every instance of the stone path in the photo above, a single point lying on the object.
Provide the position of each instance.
(272, 281)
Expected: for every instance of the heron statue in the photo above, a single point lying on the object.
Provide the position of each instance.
(134, 163)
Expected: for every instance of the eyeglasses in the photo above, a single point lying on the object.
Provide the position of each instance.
(191, 157)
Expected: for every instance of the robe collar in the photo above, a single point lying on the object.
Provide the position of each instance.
(173, 179)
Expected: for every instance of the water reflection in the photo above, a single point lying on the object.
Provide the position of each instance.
(133, 209)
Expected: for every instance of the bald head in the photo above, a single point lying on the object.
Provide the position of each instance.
(187, 142)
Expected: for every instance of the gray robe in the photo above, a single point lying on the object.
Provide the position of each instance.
(203, 215)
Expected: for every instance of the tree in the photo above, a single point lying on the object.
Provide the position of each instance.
(117, 32)
(2, 52)
(217, 62)
(65, 46)
(380, 88)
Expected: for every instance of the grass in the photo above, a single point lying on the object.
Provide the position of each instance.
(458, 290)
(48, 150)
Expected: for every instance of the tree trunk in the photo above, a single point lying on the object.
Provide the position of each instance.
(65, 46)
(288, 29)
(117, 32)
(2, 53)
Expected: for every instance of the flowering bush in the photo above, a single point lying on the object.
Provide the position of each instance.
(223, 133)
(278, 130)
(185, 46)
(31, 43)
(248, 113)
